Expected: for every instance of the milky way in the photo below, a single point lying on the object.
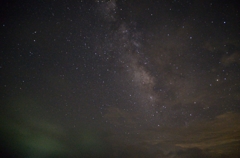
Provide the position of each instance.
(116, 78)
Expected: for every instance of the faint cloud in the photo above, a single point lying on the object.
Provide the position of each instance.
(230, 59)
(217, 136)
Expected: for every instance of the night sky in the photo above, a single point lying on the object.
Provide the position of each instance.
(120, 78)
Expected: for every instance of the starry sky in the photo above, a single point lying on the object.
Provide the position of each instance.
(120, 78)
